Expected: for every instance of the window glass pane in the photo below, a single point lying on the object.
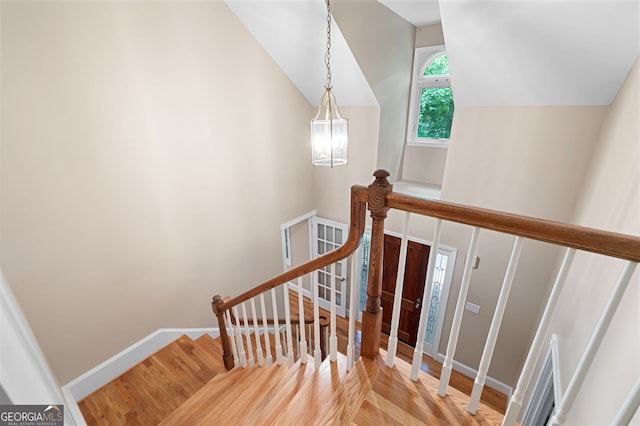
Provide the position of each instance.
(438, 66)
(321, 232)
(436, 113)
(321, 277)
(321, 292)
(320, 247)
(330, 233)
(338, 299)
(338, 236)
(339, 269)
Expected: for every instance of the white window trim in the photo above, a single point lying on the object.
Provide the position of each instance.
(421, 57)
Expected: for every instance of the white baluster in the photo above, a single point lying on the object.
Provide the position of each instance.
(490, 344)
(333, 338)
(256, 333)
(301, 325)
(317, 352)
(515, 403)
(287, 319)
(265, 328)
(242, 354)
(424, 312)
(392, 345)
(629, 407)
(248, 336)
(276, 328)
(232, 336)
(353, 296)
(569, 396)
(447, 365)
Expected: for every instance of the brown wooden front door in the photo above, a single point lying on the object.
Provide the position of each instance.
(414, 277)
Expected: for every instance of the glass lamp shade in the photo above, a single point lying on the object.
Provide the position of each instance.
(329, 134)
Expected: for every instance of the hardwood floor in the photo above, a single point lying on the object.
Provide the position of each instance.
(182, 384)
(491, 397)
(154, 388)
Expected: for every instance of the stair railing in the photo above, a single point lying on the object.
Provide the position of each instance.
(379, 198)
(226, 310)
(572, 237)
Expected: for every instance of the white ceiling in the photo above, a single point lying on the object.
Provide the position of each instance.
(294, 33)
(561, 52)
(501, 52)
(417, 12)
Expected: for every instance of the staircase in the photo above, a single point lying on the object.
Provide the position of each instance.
(186, 383)
(233, 380)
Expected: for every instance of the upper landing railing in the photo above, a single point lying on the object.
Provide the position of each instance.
(379, 198)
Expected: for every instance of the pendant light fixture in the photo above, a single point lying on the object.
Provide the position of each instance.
(329, 131)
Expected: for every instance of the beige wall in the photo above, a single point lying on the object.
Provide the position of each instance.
(383, 45)
(150, 151)
(609, 199)
(526, 160)
(429, 35)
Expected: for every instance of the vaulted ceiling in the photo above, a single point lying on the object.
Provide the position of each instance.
(501, 52)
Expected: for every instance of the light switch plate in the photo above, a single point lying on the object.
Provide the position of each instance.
(472, 307)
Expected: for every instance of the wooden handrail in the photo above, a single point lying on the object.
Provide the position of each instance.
(379, 198)
(356, 229)
(579, 237)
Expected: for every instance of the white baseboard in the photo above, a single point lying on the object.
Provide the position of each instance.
(471, 373)
(102, 374)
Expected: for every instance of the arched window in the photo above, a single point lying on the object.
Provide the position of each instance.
(431, 98)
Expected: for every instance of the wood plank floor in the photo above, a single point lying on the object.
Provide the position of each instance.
(154, 388)
(491, 397)
(394, 399)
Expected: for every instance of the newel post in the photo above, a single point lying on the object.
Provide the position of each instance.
(372, 315)
(227, 355)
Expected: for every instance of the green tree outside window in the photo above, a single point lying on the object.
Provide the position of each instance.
(436, 103)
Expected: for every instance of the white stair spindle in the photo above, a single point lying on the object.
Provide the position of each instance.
(265, 331)
(392, 345)
(301, 325)
(515, 403)
(241, 353)
(287, 320)
(317, 351)
(447, 365)
(333, 338)
(353, 295)
(629, 407)
(569, 396)
(256, 333)
(494, 329)
(247, 333)
(232, 336)
(424, 312)
(276, 328)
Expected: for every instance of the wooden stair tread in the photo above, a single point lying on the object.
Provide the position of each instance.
(395, 399)
(236, 395)
(314, 395)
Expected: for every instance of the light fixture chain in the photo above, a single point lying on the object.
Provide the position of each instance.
(328, 55)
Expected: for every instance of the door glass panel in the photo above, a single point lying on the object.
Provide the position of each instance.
(434, 301)
(328, 235)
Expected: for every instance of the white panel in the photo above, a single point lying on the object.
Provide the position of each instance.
(530, 52)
